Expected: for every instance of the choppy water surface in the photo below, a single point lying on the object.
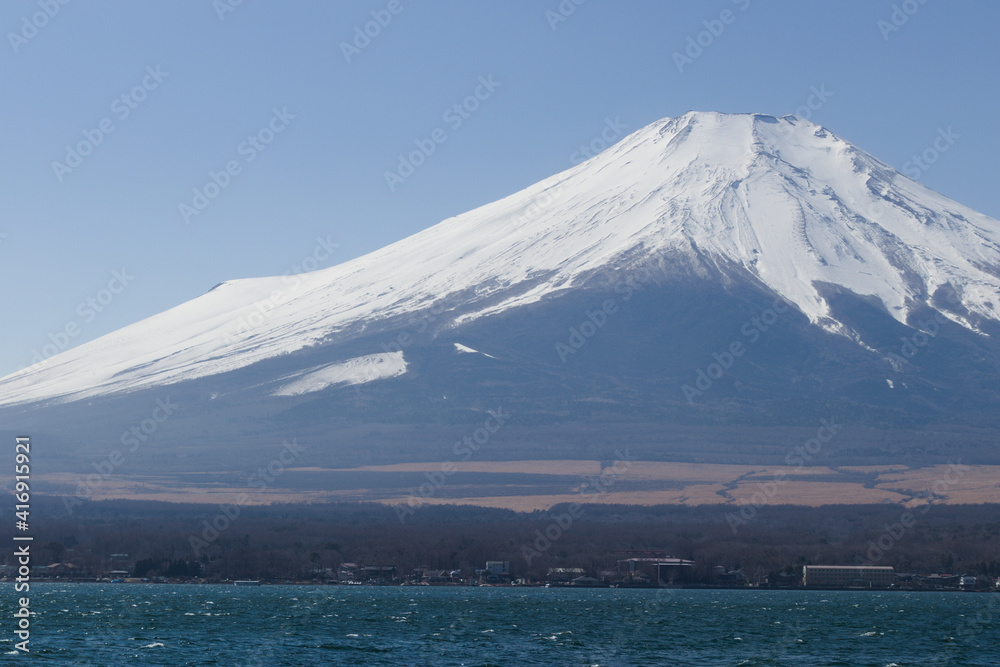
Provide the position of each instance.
(119, 624)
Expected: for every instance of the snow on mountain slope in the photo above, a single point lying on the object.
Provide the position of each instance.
(353, 371)
(781, 198)
(465, 349)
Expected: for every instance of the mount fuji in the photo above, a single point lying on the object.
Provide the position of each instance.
(707, 289)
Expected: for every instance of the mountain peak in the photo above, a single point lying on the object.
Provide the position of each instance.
(778, 200)
(799, 207)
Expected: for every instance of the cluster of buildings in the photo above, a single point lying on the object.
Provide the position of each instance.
(495, 573)
(847, 576)
(118, 567)
(651, 569)
(636, 569)
(639, 569)
(864, 576)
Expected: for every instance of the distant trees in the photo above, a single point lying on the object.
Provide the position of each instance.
(152, 567)
(302, 541)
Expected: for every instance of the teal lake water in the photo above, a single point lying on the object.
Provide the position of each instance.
(126, 624)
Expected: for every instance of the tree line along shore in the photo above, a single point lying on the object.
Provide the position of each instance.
(452, 545)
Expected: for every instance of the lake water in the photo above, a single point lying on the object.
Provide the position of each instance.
(126, 624)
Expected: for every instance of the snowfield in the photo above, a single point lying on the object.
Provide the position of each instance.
(780, 199)
(359, 370)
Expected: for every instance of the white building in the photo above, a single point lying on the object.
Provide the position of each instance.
(498, 567)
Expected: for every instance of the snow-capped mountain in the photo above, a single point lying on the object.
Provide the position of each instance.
(688, 226)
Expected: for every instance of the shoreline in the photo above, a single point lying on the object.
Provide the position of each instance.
(519, 586)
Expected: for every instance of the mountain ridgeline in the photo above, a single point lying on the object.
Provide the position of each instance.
(708, 289)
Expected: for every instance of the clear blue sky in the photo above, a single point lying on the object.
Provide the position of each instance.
(222, 73)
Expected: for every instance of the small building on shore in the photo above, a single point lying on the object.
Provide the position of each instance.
(62, 570)
(348, 572)
(587, 582)
(938, 581)
(564, 575)
(665, 570)
(847, 576)
(496, 572)
(440, 577)
(380, 574)
(967, 583)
